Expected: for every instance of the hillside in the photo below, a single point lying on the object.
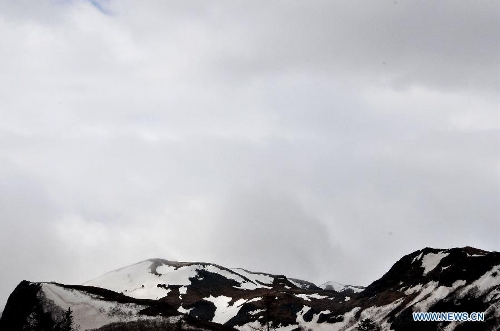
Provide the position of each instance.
(160, 294)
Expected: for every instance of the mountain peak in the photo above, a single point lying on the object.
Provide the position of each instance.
(337, 287)
(158, 293)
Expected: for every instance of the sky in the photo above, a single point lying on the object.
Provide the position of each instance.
(323, 140)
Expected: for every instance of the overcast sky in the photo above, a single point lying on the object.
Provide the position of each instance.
(323, 140)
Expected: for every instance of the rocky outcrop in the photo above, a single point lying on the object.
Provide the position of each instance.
(161, 295)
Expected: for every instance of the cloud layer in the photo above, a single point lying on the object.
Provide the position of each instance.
(319, 140)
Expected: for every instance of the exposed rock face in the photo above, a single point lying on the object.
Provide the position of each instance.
(42, 306)
(161, 295)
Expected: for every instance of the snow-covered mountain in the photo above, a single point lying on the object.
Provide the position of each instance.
(206, 291)
(436, 280)
(337, 287)
(157, 278)
(44, 306)
(158, 294)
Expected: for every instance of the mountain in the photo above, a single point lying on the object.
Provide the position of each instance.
(435, 280)
(233, 297)
(337, 287)
(43, 306)
(159, 294)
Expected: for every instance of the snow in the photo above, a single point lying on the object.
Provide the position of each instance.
(431, 260)
(223, 310)
(356, 289)
(183, 310)
(254, 299)
(255, 276)
(413, 289)
(301, 284)
(475, 255)
(245, 284)
(349, 318)
(417, 258)
(337, 287)
(494, 295)
(425, 291)
(493, 310)
(255, 325)
(90, 311)
(255, 312)
(308, 297)
(303, 297)
(431, 293)
(484, 283)
(137, 281)
(286, 328)
(333, 286)
(171, 275)
(379, 314)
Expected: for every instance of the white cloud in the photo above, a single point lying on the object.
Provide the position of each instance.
(347, 130)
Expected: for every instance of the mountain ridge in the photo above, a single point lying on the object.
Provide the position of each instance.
(172, 294)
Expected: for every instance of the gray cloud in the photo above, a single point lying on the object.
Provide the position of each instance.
(270, 232)
(350, 133)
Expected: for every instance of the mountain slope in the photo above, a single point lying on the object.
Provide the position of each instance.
(42, 306)
(337, 287)
(159, 294)
(436, 280)
(156, 278)
(234, 297)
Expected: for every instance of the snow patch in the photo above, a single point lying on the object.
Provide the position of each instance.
(431, 294)
(308, 297)
(255, 312)
(413, 289)
(380, 314)
(255, 276)
(254, 299)
(223, 310)
(431, 260)
(416, 258)
(484, 283)
(90, 311)
(184, 310)
(135, 281)
(349, 318)
(337, 287)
